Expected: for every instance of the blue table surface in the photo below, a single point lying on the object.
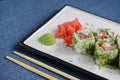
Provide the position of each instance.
(19, 18)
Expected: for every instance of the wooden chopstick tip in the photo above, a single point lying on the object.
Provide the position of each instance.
(15, 52)
(7, 57)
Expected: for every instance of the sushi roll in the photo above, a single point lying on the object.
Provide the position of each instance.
(105, 52)
(104, 33)
(83, 41)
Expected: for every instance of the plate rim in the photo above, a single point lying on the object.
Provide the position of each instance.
(57, 59)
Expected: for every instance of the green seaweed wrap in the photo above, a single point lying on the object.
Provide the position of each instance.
(118, 45)
(105, 52)
(119, 60)
(83, 41)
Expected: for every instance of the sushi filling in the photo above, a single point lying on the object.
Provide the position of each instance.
(102, 34)
(83, 36)
(107, 46)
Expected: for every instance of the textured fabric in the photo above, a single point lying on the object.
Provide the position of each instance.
(19, 18)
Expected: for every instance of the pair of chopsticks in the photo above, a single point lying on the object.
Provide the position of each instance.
(40, 64)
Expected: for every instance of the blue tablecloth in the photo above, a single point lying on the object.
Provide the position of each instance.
(19, 18)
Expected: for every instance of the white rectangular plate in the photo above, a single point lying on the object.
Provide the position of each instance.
(66, 54)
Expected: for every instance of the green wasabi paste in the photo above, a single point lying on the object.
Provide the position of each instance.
(47, 39)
